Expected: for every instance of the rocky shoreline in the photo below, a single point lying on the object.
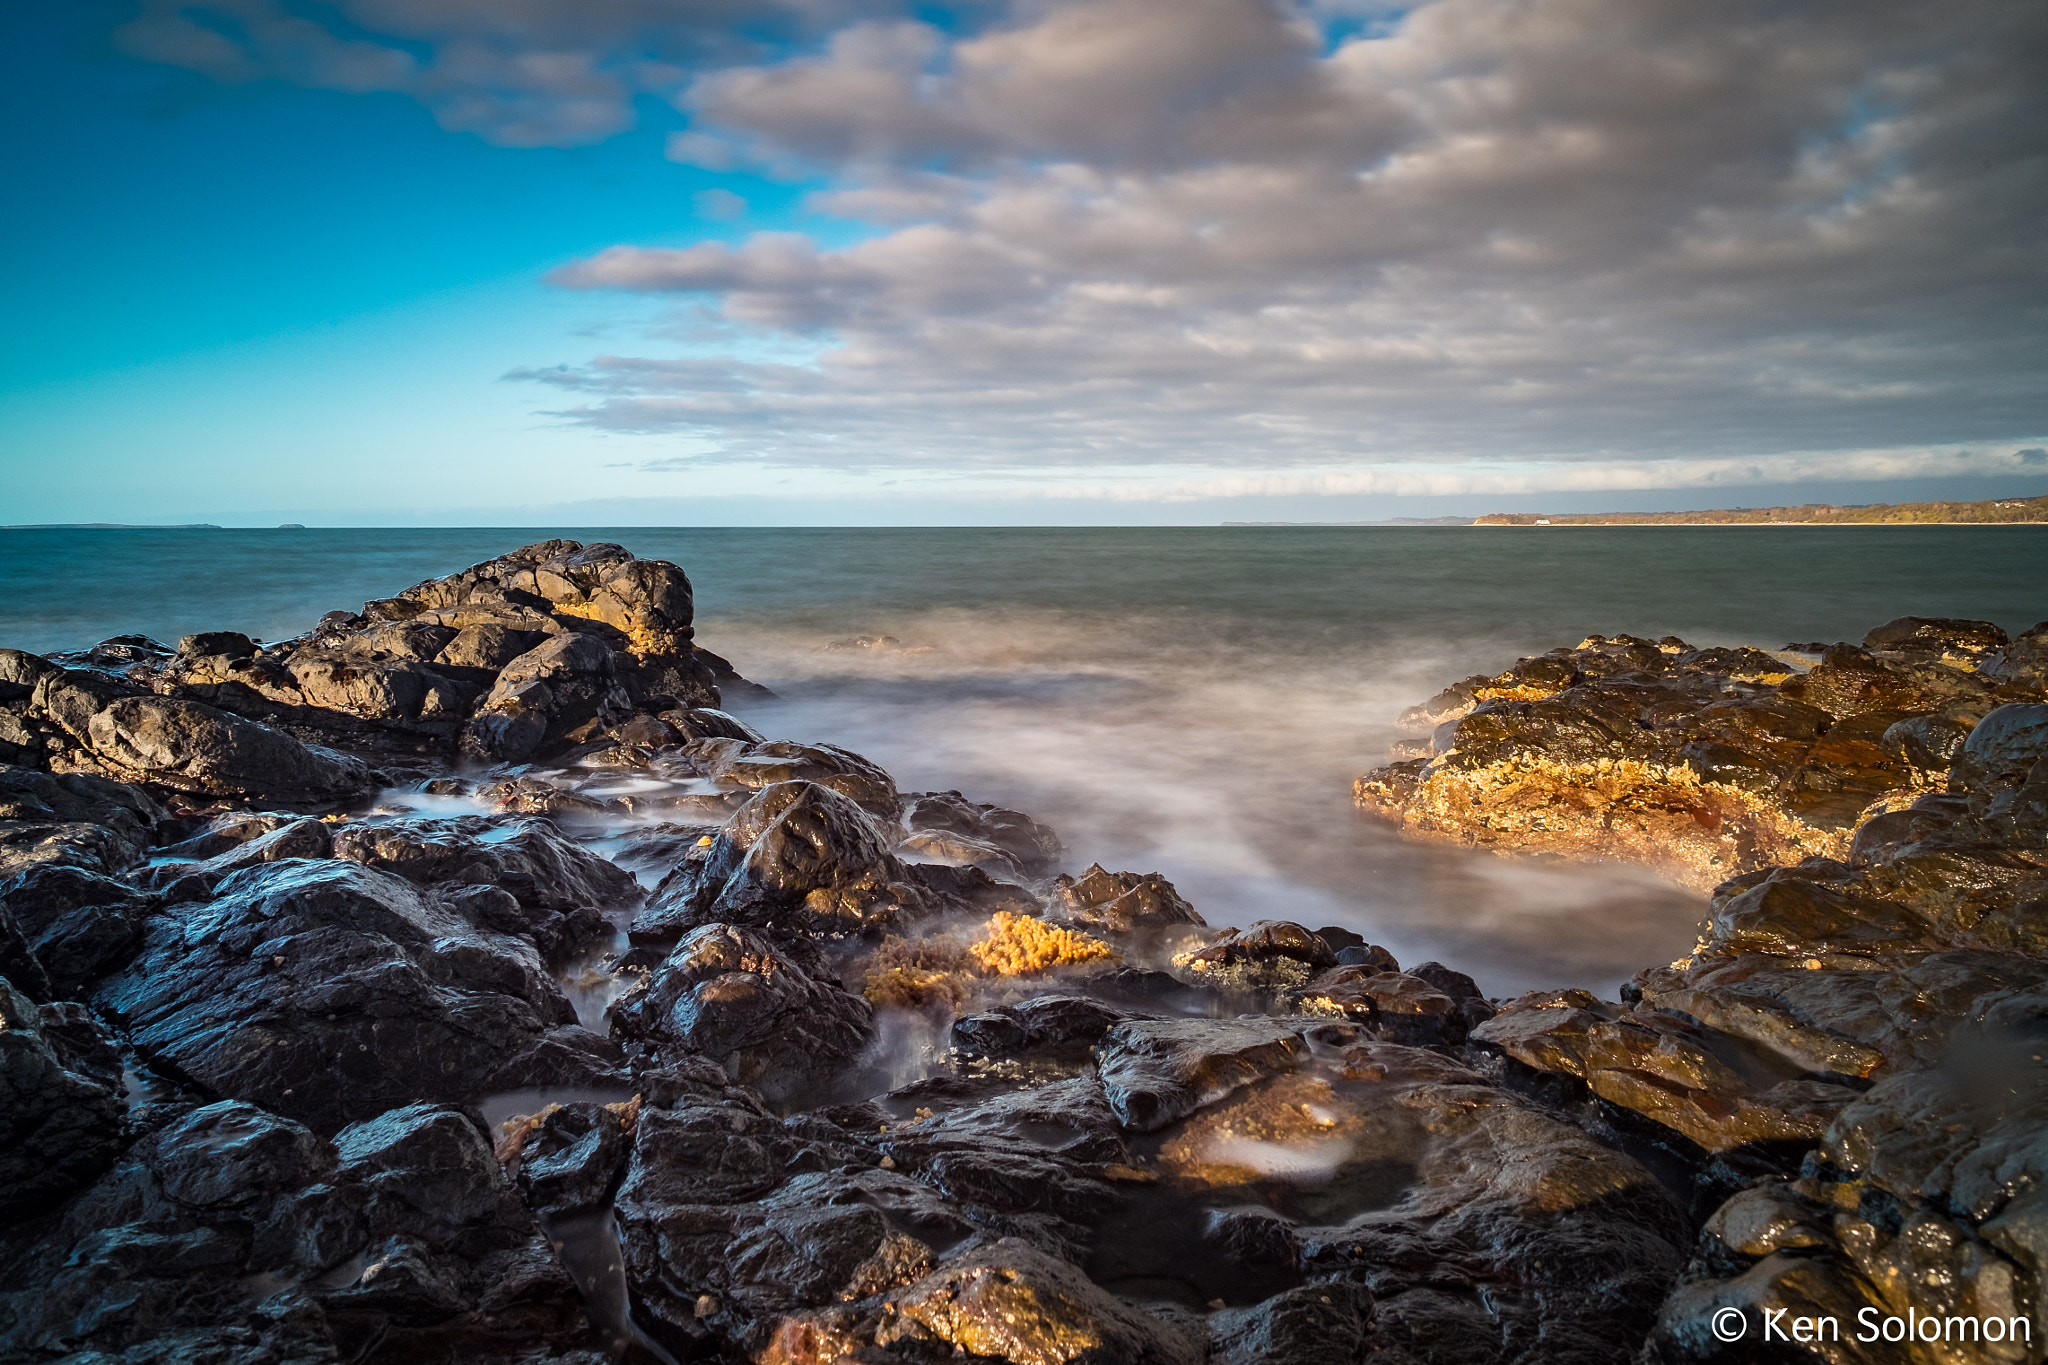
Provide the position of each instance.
(462, 982)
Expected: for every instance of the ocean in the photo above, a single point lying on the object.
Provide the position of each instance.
(1192, 701)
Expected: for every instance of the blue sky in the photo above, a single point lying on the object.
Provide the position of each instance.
(1088, 261)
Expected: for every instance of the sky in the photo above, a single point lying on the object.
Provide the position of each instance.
(699, 262)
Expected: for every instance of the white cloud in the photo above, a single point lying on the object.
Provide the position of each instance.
(1649, 239)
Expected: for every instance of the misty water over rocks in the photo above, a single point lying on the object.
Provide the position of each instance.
(1146, 744)
(460, 980)
(1190, 700)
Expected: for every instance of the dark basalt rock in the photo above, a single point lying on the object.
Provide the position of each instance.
(191, 747)
(1393, 1004)
(1839, 1080)
(760, 765)
(798, 854)
(1935, 636)
(1268, 955)
(1154, 1072)
(1054, 1023)
(947, 826)
(73, 820)
(1121, 902)
(232, 1234)
(728, 993)
(60, 1125)
(79, 924)
(532, 653)
(329, 992)
(528, 858)
(573, 1161)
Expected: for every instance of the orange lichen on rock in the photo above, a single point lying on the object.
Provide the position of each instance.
(628, 1112)
(513, 1133)
(1018, 945)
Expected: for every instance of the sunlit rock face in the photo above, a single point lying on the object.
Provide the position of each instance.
(609, 1028)
(1702, 763)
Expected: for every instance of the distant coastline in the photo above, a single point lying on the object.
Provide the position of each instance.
(113, 526)
(1991, 512)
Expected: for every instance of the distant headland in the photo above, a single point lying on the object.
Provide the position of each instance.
(1992, 511)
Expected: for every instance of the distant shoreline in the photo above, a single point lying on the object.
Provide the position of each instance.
(1987, 512)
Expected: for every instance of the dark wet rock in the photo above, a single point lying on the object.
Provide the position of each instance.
(1395, 1005)
(573, 1160)
(2003, 748)
(1701, 763)
(232, 1234)
(1056, 1023)
(1935, 636)
(329, 992)
(1121, 902)
(563, 691)
(18, 962)
(74, 819)
(191, 747)
(798, 854)
(60, 1125)
(949, 827)
(80, 925)
(1928, 1199)
(225, 832)
(967, 1121)
(731, 1219)
(1455, 984)
(1665, 1069)
(537, 651)
(2023, 664)
(1154, 1072)
(301, 838)
(709, 722)
(1314, 1324)
(728, 993)
(1268, 955)
(530, 858)
(1009, 1301)
(758, 765)
(972, 890)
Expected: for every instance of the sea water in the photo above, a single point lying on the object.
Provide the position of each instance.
(1191, 701)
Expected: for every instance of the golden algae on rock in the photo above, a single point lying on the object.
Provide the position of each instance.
(1017, 945)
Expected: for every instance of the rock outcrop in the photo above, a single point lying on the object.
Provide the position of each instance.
(861, 1075)
(1702, 763)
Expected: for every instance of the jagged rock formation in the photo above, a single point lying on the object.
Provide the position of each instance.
(1702, 763)
(249, 1024)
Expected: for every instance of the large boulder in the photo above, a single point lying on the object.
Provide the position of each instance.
(233, 1234)
(797, 854)
(330, 992)
(529, 858)
(192, 747)
(728, 993)
(74, 820)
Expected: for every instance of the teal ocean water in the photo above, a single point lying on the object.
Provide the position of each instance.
(1189, 700)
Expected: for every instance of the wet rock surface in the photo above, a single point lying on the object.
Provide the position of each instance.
(460, 982)
(1703, 763)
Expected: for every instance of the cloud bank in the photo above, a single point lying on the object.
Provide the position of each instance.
(1275, 239)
